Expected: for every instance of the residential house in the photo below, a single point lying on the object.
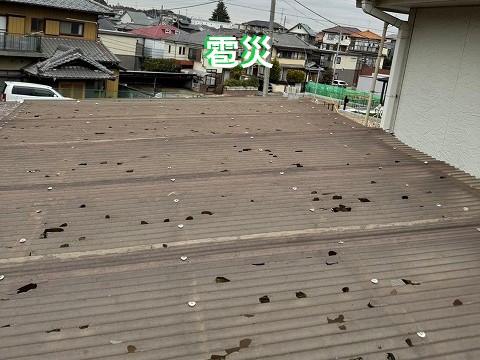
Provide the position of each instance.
(56, 42)
(213, 24)
(126, 46)
(137, 18)
(304, 32)
(260, 26)
(291, 52)
(337, 37)
(432, 96)
(154, 44)
(366, 45)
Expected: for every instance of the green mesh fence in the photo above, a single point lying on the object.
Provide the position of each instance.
(335, 92)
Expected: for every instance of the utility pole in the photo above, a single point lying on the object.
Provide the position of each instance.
(375, 74)
(266, 76)
(336, 55)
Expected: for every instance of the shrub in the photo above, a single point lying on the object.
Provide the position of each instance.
(296, 76)
(253, 81)
(167, 65)
(232, 82)
(236, 72)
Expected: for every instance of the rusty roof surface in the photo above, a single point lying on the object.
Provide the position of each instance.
(288, 211)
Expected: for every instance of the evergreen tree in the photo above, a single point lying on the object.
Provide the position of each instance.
(220, 13)
(275, 71)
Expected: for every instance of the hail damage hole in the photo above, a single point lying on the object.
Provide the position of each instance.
(390, 356)
(65, 245)
(107, 216)
(363, 199)
(64, 225)
(341, 208)
(298, 165)
(245, 343)
(340, 319)
(218, 357)
(410, 282)
(313, 192)
(119, 163)
(221, 279)
(370, 305)
(332, 253)
(83, 327)
(342, 327)
(189, 218)
(397, 161)
(247, 149)
(300, 295)
(337, 197)
(457, 302)
(249, 315)
(129, 171)
(409, 342)
(166, 220)
(331, 263)
(143, 222)
(316, 198)
(165, 245)
(345, 289)
(259, 264)
(5, 326)
(443, 177)
(83, 164)
(83, 206)
(373, 182)
(405, 197)
(131, 348)
(206, 212)
(225, 170)
(298, 150)
(26, 288)
(81, 238)
(264, 299)
(53, 330)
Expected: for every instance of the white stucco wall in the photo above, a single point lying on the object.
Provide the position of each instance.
(439, 107)
(155, 49)
(119, 45)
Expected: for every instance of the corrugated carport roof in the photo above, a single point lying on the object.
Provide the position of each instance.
(115, 286)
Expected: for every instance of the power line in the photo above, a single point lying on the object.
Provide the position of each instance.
(190, 6)
(327, 19)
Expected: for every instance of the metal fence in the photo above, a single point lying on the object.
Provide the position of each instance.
(13, 42)
(359, 98)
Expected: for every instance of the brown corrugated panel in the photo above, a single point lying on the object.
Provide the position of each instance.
(288, 212)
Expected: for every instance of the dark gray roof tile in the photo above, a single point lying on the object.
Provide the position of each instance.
(90, 6)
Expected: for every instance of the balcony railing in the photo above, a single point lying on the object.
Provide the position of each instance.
(14, 42)
(372, 49)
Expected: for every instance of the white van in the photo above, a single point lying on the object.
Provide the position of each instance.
(340, 83)
(20, 91)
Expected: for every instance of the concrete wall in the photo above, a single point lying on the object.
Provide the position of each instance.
(439, 110)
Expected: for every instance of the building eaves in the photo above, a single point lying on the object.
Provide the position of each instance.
(89, 6)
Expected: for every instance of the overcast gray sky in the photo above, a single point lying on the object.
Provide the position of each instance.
(342, 12)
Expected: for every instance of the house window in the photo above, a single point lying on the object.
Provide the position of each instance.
(181, 50)
(71, 28)
(169, 49)
(331, 37)
(3, 24)
(167, 31)
(299, 27)
(37, 24)
(339, 59)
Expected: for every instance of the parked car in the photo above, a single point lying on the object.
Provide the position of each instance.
(20, 91)
(340, 83)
